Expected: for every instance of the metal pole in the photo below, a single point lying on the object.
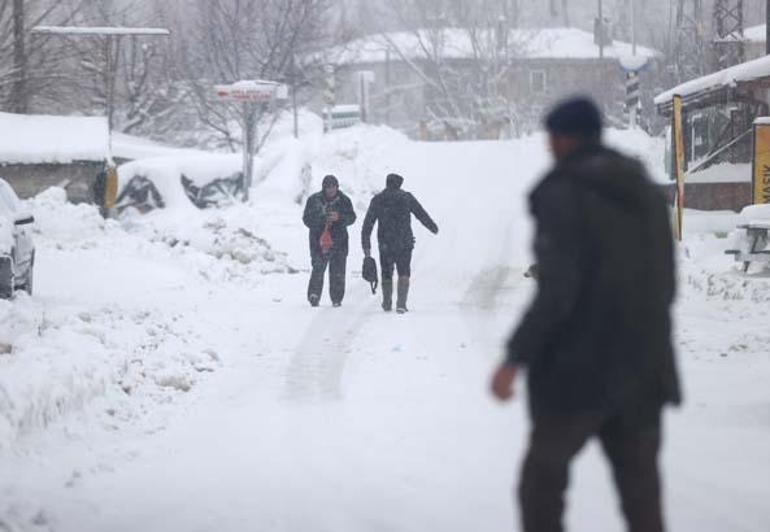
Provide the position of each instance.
(633, 27)
(767, 28)
(632, 112)
(110, 44)
(294, 94)
(362, 96)
(19, 100)
(387, 85)
(248, 141)
(601, 31)
(632, 115)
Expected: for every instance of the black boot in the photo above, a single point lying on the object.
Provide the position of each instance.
(387, 295)
(403, 292)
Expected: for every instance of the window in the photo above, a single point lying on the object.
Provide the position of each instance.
(537, 81)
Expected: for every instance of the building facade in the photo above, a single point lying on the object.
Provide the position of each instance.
(442, 84)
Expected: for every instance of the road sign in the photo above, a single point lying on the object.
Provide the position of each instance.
(252, 91)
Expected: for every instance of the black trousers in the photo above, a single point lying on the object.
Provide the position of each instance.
(337, 262)
(400, 259)
(630, 440)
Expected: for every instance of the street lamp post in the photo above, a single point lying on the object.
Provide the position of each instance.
(112, 35)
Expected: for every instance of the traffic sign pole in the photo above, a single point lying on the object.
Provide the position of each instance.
(253, 95)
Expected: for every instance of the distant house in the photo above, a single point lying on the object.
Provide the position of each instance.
(532, 69)
(37, 152)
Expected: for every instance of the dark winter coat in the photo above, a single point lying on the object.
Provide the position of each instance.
(392, 209)
(314, 217)
(598, 333)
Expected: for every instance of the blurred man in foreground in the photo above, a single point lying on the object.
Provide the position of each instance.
(596, 340)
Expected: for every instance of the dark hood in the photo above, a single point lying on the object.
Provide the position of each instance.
(614, 176)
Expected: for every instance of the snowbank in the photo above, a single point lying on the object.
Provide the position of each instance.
(59, 353)
(649, 150)
(38, 139)
(360, 157)
(131, 148)
(56, 356)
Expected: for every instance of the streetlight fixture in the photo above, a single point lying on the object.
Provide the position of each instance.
(113, 35)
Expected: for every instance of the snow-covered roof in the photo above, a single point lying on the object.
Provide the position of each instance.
(38, 139)
(99, 30)
(755, 34)
(456, 43)
(728, 77)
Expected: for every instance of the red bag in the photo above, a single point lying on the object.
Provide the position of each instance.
(326, 240)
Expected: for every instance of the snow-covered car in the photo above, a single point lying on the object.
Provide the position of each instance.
(209, 180)
(17, 250)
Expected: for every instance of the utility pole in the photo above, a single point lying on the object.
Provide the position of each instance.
(601, 30)
(294, 94)
(387, 85)
(111, 36)
(767, 28)
(689, 47)
(728, 22)
(633, 27)
(19, 89)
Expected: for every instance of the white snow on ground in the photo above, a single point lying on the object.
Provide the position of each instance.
(649, 150)
(169, 375)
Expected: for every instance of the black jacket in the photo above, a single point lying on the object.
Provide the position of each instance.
(598, 333)
(392, 209)
(314, 217)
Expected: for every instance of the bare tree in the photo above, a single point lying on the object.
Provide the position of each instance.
(465, 96)
(247, 39)
(32, 66)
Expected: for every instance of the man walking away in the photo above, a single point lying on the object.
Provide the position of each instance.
(328, 214)
(392, 209)
(596, 340)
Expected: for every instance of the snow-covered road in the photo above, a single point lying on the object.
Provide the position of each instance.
(280, 417)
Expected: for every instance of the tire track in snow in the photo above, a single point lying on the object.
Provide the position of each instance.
(314, 373)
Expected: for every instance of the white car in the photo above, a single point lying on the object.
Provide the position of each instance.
(17, 251)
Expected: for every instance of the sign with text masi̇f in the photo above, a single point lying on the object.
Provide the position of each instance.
(761, 161)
